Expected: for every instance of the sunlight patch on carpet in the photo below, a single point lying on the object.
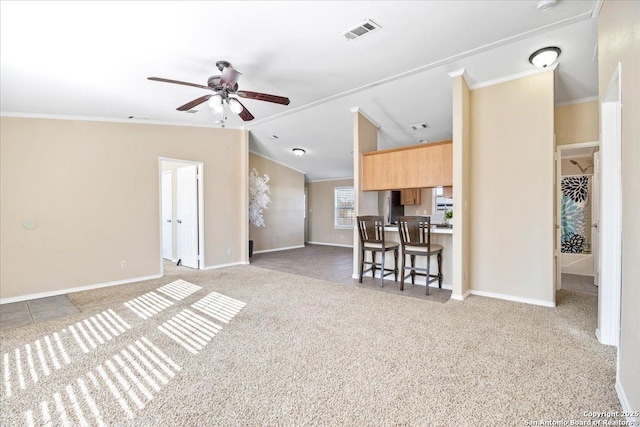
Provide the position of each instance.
(148, 305)
(191, 331)
(179, 289)
(132, 376)
(43, 356)
(218, 306)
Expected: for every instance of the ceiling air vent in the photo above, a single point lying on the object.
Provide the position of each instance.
(360, 30)
(419, 126)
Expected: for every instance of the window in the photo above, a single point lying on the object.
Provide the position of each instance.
(344, 215)
(440, 204)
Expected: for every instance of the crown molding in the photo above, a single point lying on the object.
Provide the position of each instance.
(597, 6)
(578, 101)
(365, 115)
(277, 162)
(511, 77)
(111, 120)
(329, 179)
(461, 72)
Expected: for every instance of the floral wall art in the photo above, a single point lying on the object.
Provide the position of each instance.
(258, 197)
(575, 198)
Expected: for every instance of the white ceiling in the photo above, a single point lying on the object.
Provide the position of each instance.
(91, 59)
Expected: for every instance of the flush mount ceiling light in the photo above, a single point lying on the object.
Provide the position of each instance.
(299, 152)
(544, 57)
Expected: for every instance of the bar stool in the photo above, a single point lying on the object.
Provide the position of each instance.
(415, 239)
(371, 230)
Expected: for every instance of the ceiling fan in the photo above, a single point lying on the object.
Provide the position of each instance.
(223, 87)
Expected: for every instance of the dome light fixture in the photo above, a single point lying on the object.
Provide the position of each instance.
(299, 152)
(544, 57)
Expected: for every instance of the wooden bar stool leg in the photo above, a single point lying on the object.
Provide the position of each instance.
(402, 270)
(382, 269)
(440, 270)
(362, 255)
(413, 271)
(395, 264)
(428, 279)
(373, 264)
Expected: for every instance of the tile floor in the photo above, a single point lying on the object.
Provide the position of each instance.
(23, 313)
(575, 282)
(335, 264)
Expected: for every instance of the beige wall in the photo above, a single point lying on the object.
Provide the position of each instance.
(461, 187)
(93, 188)
(284, 218)
(577, 123)
(365, 139)
(619, 41)
(320, 200)
(512, 200)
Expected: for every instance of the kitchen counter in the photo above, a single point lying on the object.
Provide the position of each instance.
(434, 229)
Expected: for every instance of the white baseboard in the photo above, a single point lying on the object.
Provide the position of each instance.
(461, 297)
(331, 244)
(278, 249)
(626, 406)
(513, 298)
(77, 289)
(231, 264)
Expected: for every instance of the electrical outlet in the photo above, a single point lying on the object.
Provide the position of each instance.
(229, 252)
(123, 264)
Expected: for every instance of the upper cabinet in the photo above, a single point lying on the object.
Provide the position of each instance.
(426, 165)
(410, 196)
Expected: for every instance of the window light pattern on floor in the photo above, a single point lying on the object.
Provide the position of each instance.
(148, 305)
(179, 289)
(127, 380)
(133, 376)
(39, 359)
(191, 331)
(218, 306)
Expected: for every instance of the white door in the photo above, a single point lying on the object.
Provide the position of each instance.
(187, 216)
(595, 218)
(167, 216)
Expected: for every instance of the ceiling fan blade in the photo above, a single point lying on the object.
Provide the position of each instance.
(230, 76)
(244, 114)
(189, 105)
(160, 79)
(263, 97)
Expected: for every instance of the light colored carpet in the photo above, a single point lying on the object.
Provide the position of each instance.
(302, 351)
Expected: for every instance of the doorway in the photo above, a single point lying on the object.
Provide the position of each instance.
(577, 217)
(181, 212)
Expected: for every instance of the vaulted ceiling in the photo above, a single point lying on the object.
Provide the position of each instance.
(92, 59)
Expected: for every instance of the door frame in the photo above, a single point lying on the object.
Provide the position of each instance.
(610, 289)
(558, 202)
(200, 183)
(162, 220)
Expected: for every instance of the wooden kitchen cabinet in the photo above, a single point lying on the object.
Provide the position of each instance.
(421, 166)
(411, 196)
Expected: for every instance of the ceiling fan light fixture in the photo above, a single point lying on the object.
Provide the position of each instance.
(299, 151)
(544, 57)
(235, 106)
